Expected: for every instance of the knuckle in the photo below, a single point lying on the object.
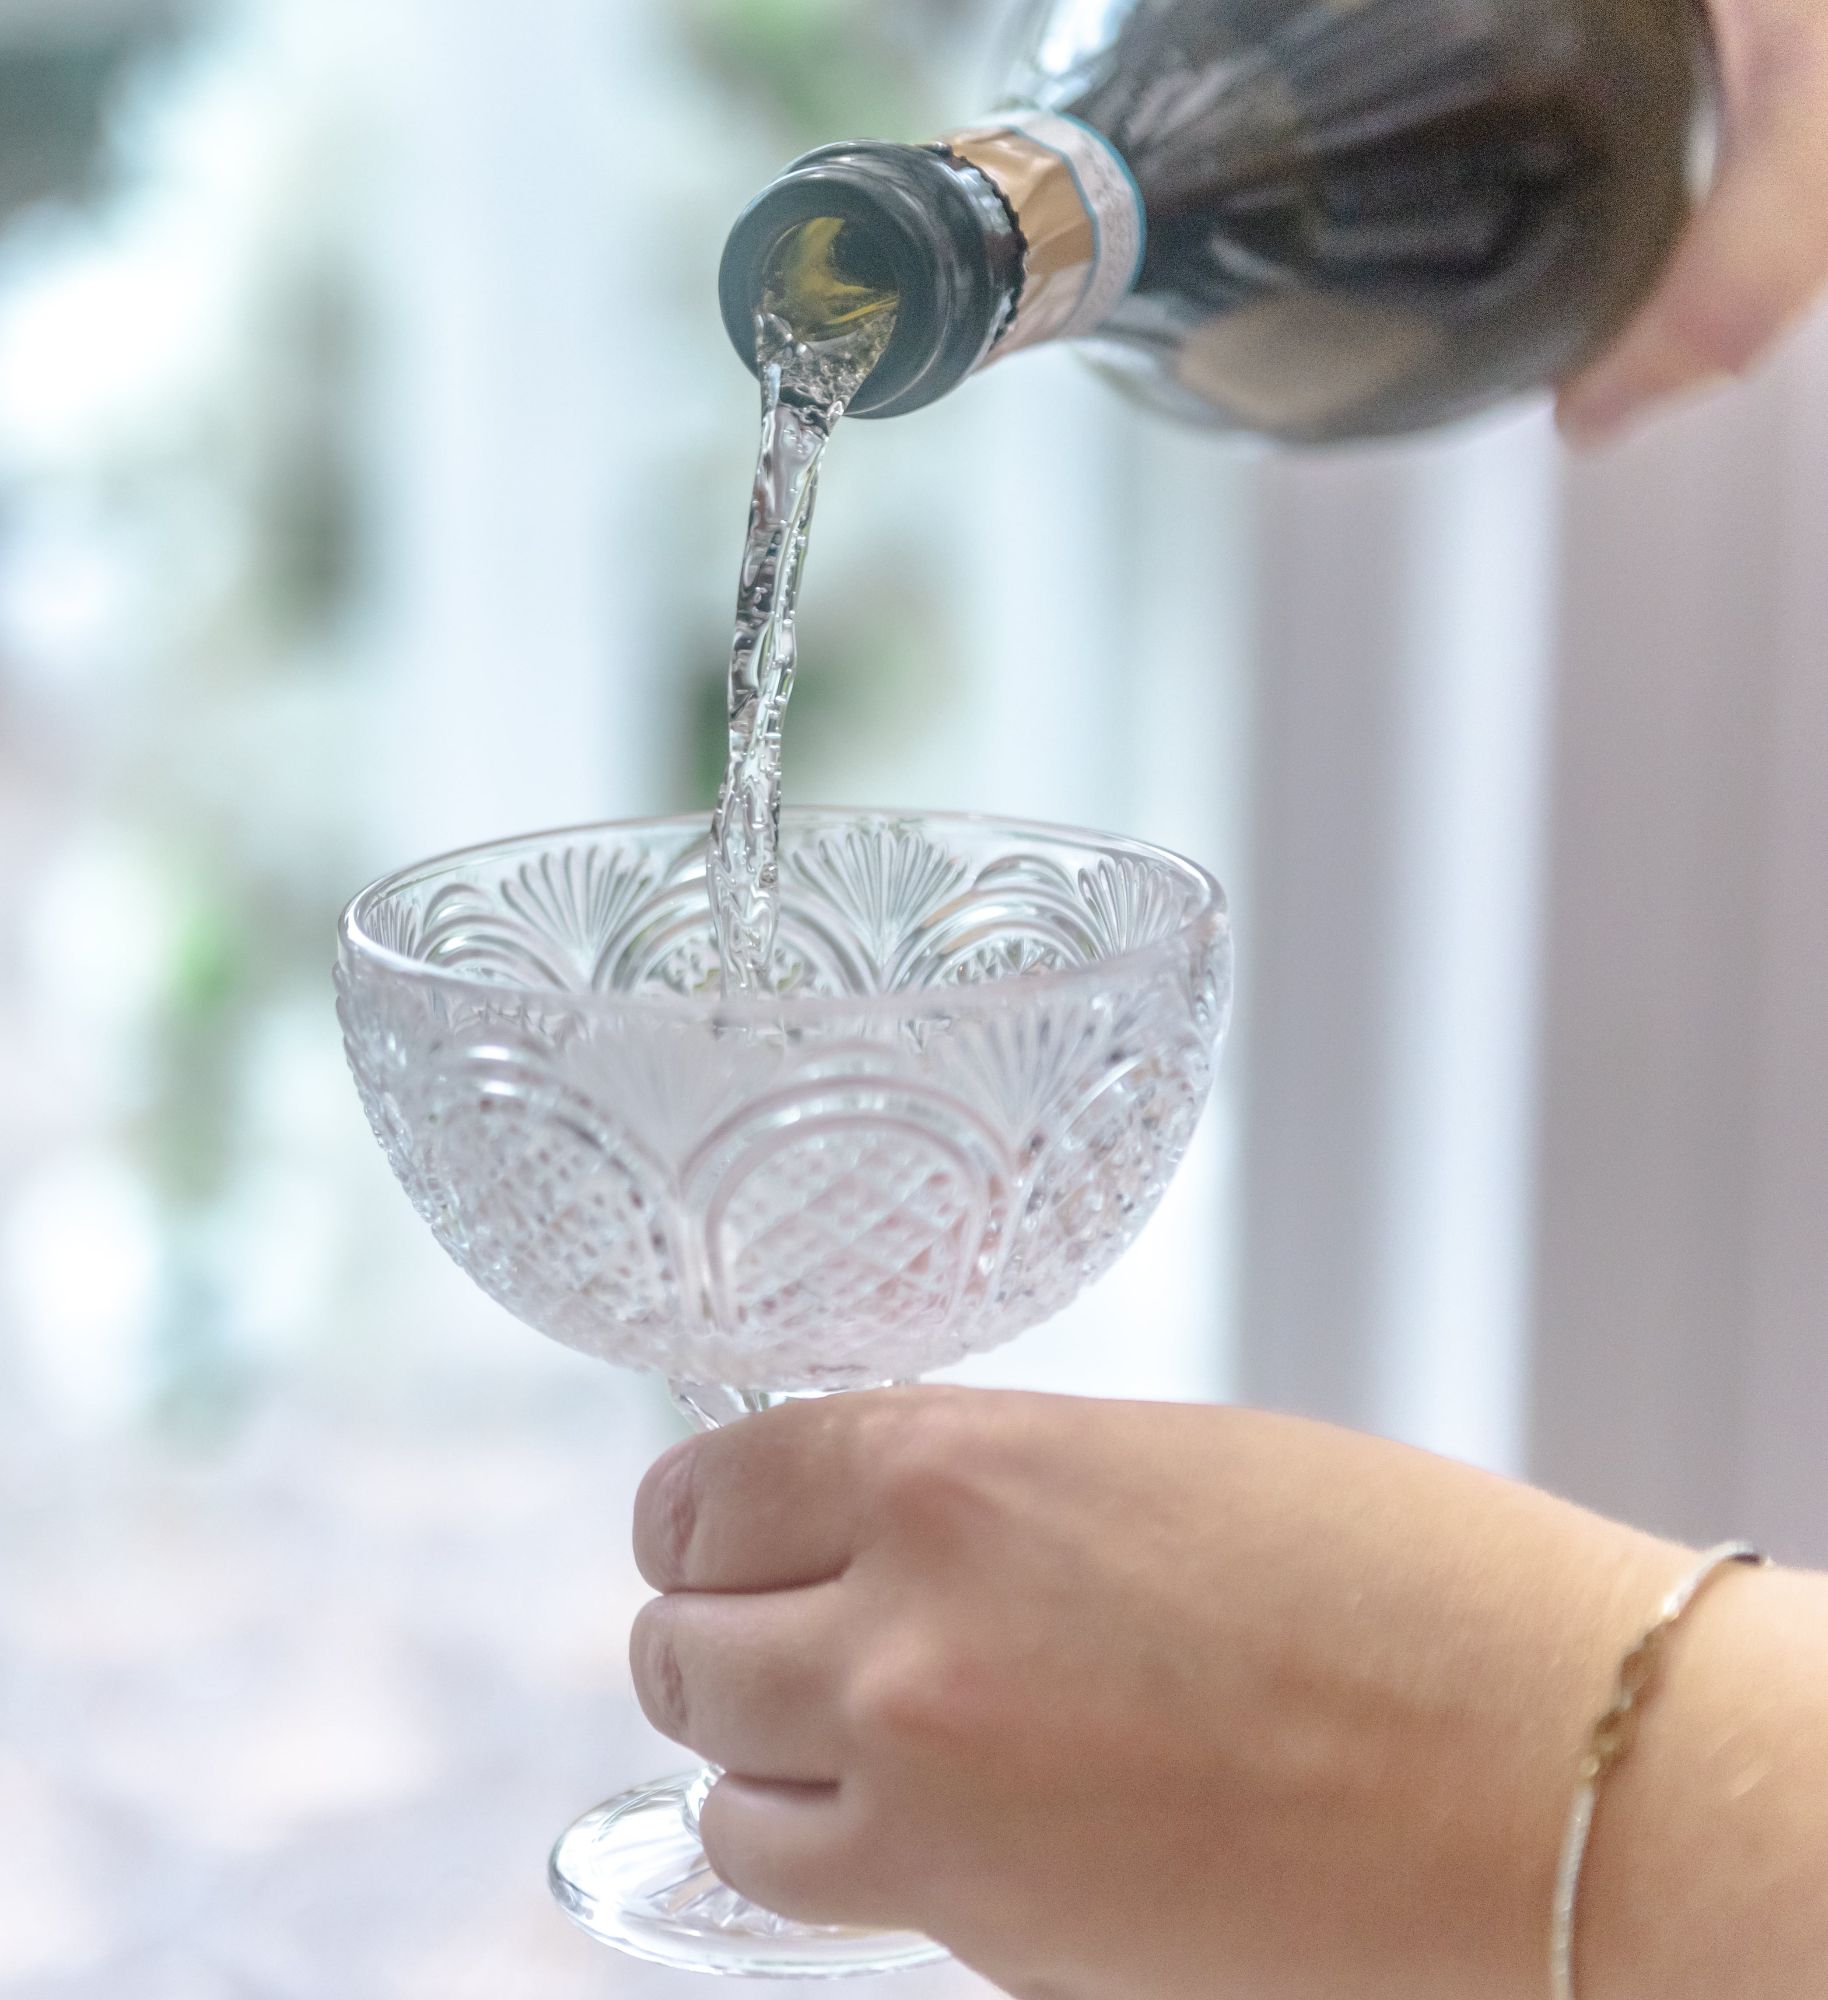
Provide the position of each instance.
(659, 1674)
(930, 1462)
(923, 1698)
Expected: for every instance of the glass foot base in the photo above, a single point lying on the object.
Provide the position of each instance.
(633, 1874)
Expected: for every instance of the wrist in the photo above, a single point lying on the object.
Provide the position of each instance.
(1700, 1874)
(1602, 1610)
(1562, 1603)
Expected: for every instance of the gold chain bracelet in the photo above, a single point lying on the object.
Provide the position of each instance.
(1613, 1735)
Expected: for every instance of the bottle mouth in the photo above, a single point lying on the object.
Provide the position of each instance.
(829, 280)
(900, 223)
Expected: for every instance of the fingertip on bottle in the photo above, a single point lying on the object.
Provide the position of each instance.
(1590, 415)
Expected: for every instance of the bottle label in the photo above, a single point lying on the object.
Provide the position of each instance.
(1081, 216)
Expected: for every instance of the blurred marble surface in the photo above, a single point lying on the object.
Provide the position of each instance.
(299, 1714)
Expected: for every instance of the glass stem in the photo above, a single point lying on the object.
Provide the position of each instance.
(696, 1793)
(708, 1407)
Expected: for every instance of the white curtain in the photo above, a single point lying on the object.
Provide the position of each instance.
(1536, 1151)
(1682, 1227)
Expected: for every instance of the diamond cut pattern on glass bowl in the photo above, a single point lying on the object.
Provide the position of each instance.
(987, 1058)
(854, 1212)
(556, 1212)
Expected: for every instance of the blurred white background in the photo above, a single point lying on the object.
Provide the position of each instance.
(372, 468)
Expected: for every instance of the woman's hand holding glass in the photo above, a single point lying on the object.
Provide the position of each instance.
(1125, 1702)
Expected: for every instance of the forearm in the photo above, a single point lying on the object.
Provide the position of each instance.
(1708, 1875)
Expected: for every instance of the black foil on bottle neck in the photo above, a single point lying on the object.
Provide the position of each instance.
(938, 224)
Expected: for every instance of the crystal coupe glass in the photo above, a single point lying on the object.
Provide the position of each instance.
(985, 1056)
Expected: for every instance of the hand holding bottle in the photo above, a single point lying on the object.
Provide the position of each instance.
(1125, 1702)
(1756, 257)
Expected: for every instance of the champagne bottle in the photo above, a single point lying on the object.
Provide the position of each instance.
(1318, 220)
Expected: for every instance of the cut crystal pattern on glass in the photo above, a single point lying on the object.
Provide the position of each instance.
(984, 1053)
(988, 1055)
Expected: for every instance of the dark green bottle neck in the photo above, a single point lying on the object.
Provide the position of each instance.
(932, 223)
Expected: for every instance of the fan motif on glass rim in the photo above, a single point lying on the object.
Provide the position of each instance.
(827, 1199)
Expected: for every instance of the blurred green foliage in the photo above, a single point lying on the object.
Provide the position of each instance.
(244, 504)
(825, 69)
